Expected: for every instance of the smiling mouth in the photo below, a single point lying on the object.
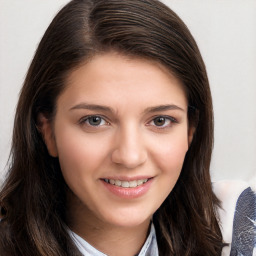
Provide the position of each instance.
(126, 184)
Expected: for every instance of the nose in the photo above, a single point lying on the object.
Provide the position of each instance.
(129, 151)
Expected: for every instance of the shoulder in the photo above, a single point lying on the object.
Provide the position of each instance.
(237, 215)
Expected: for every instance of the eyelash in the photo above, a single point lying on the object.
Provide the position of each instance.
(171, 121)
(86, 120)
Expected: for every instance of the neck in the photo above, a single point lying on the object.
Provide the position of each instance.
(105, 237)
(114, 241)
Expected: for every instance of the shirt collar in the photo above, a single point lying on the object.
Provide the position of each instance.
(149, 248)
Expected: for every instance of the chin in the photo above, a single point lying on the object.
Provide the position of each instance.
(128, 219)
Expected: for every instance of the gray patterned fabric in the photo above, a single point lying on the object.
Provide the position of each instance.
(244, 225)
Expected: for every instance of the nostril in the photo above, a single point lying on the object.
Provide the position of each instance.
(129, 159)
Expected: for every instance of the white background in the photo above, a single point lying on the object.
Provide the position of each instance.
(225, 31)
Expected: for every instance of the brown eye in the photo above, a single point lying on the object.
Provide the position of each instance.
(160, 121)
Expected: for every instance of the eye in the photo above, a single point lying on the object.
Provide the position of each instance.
(163, 121)
(94, 121)
(160, 121)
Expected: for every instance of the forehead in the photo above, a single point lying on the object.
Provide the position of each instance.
(109, 77)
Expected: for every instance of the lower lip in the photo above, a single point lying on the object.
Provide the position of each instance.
(128, 193)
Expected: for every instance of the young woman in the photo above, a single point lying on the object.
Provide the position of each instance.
(112, 139)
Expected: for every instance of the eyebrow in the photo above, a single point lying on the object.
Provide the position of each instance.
(96, 107)
(92, 107)
(163, 108)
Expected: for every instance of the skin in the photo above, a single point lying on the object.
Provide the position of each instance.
(130, 141)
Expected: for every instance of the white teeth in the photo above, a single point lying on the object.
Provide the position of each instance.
(126, 184)
(118, 183)
(140, 182)
(133, 184)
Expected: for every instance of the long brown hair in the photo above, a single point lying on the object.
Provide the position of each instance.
(33, 196)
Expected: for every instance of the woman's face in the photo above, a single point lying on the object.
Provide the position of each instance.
(121, 134)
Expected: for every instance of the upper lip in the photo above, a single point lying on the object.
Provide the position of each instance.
(125, 178)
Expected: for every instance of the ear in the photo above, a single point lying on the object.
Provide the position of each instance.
(44, 126)
(191, 131)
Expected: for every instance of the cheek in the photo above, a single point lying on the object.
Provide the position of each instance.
(79, 154)
(169, 155)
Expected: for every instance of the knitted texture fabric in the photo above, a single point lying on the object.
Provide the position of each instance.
(244, 225)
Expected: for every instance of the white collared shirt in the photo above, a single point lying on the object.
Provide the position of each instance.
(149, 248)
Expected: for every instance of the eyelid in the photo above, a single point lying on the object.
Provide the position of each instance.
(85, 118)
(170, 118)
